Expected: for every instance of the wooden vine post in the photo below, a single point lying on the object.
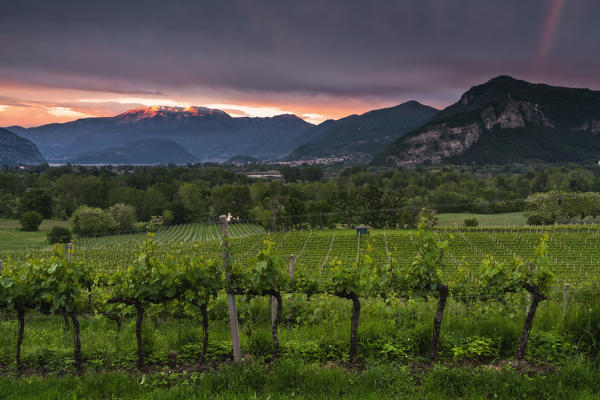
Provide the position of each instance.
(233, 320)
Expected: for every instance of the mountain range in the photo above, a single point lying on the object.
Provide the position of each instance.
(208, 134)
(361, 136)
(15, 150)
(504, 120)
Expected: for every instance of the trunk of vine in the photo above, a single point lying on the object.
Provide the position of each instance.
(354, 326)
(203, 310)
(66, 318)
(537, 298)
(119, 321)
(437, 320)
(353, 321)
(21, 318)
(275, 325)
(138, 334)
(77, 341)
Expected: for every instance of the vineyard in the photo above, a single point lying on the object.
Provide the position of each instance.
(137, 300)
(574, 254)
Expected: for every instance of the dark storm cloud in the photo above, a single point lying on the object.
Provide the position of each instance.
(428, 49)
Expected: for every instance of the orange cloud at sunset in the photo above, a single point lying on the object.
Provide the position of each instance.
(29, 106)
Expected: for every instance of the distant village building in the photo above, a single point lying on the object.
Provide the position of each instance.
(363, 229)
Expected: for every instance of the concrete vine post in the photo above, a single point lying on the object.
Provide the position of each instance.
(70, 252)
(290, 266)
(233, 319)
(565, 297)
(274, 305)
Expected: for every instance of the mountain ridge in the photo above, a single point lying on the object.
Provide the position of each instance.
(361, 136)
(15, 150)
(505, 120)
(144, 151)
(208, 134)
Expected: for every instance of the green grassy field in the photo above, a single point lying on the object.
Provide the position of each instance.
(12, 239)
(298, 380)
(504, 219)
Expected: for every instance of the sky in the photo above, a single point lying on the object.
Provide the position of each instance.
(64, 60)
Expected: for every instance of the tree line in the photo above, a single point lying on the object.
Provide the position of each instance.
(305, 196)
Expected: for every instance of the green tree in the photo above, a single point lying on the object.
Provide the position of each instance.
(193, 199)
(31, 220)
(123, 215)
(234, 199)
(92, 221)
(37, 200)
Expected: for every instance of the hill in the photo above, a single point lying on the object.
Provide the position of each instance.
(145, 151)
(15, 150)
(361, 136)
(208, 134)
(506, 120)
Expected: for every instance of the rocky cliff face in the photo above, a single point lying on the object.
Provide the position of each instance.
(592, 127)
(508, 115)
(15, 150)
(436, 143)
(441, 141)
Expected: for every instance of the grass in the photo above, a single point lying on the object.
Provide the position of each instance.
(12, 239)
(504, 219)
(315, 331)
(298, 380)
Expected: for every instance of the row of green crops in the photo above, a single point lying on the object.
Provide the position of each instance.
(574, 254)
(182, 279)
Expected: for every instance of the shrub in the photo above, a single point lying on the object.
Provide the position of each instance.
(91, 221)
(535, 220)
(471, 222)
(31, 220)
(123, 215)
(59, 234)
(550, 346)
(476, 348)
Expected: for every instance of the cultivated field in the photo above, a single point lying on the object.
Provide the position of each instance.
(574, 251)
(393, 337)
